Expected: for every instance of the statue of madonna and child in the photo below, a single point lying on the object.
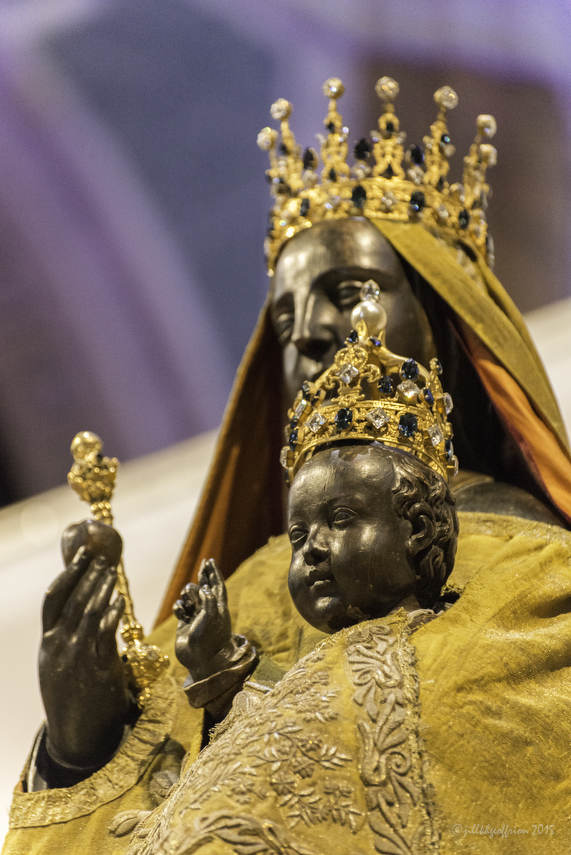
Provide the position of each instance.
(389, 675)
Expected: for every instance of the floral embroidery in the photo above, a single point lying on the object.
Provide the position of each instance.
(391, 769)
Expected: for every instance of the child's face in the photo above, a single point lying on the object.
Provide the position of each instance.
(348, 545)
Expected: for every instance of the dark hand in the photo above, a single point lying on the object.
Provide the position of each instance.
(204, 629)
(82, 679)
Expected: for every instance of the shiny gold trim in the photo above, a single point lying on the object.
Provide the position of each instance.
(119, 775)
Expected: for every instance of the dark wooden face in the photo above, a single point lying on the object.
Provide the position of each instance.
(316, 285)
(349, 557)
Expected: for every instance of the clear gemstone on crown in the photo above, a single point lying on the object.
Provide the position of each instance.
(347, 373)
(387, 88)
(435, 434)
(316, 422)
(378, 417)
(388, 201)
(266, 138)
(280, 109)
(301, 408)
(333, 88)
(409, 391)
(370, 291)
(446, 97)
(487, 125)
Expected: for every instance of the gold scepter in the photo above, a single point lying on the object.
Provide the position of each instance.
(92, 477)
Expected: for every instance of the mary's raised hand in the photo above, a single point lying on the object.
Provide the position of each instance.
(82, 679)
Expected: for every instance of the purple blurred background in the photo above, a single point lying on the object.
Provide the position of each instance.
(132, 199)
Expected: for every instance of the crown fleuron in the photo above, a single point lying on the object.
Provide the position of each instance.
(370, 394)
(386, 181)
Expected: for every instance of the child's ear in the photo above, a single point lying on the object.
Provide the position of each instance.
(426, 559)
(423, 534)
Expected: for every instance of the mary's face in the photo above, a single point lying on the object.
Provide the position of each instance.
(316, 284)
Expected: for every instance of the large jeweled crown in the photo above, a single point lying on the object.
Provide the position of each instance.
(386, 181)
(370, 394)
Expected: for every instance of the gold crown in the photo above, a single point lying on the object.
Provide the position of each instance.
(386, 181)
(371, 394)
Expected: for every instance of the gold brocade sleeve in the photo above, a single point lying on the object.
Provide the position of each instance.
(495, 694)
(97, 814)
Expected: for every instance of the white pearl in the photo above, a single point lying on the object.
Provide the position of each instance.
(372, 313)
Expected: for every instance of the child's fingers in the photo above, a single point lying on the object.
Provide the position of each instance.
(217, 583)
(208, 601)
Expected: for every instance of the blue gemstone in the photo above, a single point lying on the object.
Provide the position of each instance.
(304, 207)
(387, 387)
(408, 425)
(463, 218)
(437, 366)
(293, 439)
(417, 201)
(309, 159)
(445, 139)
(359, 196)
(343, 418)
(416, 155)
(293, 423)
(428, 397)
(352, 337)
(409, 369)
(330, 127)
(362, 149)
(375, 342)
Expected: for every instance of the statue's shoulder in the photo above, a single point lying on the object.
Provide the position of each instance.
(475, 492)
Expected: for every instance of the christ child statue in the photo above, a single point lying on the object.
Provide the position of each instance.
(371, 519)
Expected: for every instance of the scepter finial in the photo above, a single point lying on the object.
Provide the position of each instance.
(92, 476)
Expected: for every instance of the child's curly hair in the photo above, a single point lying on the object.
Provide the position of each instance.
(423, 498)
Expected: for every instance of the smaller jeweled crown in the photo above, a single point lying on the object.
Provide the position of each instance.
(386, 181)
(371, 394)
